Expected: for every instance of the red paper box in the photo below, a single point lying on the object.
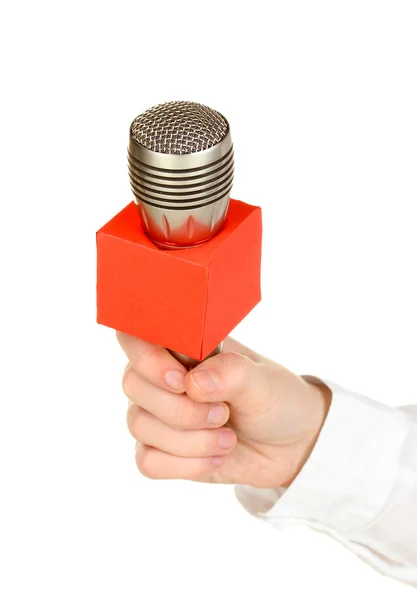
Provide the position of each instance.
(185, 300)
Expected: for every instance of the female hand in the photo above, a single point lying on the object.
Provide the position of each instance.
(238, 417)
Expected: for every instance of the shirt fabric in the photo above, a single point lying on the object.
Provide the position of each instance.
(359, 485)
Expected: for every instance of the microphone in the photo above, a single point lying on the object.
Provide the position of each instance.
(185, 271)
(180, 160)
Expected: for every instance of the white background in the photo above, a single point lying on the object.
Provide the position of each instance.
(322, 98)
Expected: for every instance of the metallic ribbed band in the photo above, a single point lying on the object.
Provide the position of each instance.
(181, 181)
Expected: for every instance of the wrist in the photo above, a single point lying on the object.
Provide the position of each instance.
(320, 398)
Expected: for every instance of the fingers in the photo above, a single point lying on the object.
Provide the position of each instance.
(150, 431)
(153, 363)
(175, 410)
(227, 377)
(155, 464)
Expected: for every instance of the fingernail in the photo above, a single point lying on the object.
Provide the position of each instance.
(217, 415)
(205, 381)
(218, 461)
(226, 440)
(175, 380)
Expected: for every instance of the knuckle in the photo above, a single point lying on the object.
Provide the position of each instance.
(184, 412)
(144, 464)
(234, 370)
(140, 426)
(146, 353)
(131, 418)
(240, 365)
(129, 382)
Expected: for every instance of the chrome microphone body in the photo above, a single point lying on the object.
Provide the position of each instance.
(181, 167)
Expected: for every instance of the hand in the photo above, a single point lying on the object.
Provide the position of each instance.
(238, 417)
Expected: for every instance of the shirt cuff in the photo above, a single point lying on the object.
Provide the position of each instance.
(350, 474)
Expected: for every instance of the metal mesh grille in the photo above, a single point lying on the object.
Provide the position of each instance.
(179, 128)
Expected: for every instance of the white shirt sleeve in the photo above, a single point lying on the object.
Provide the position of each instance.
(359, 484)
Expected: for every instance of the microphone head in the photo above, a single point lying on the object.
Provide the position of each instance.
(180, 160)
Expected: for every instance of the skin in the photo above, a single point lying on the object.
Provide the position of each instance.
(265, 423)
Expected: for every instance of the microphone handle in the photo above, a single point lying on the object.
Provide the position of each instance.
(190, 363)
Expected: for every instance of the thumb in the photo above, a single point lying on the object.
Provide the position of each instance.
(231, 377)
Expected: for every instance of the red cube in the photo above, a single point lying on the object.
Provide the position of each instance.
(187, 300)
